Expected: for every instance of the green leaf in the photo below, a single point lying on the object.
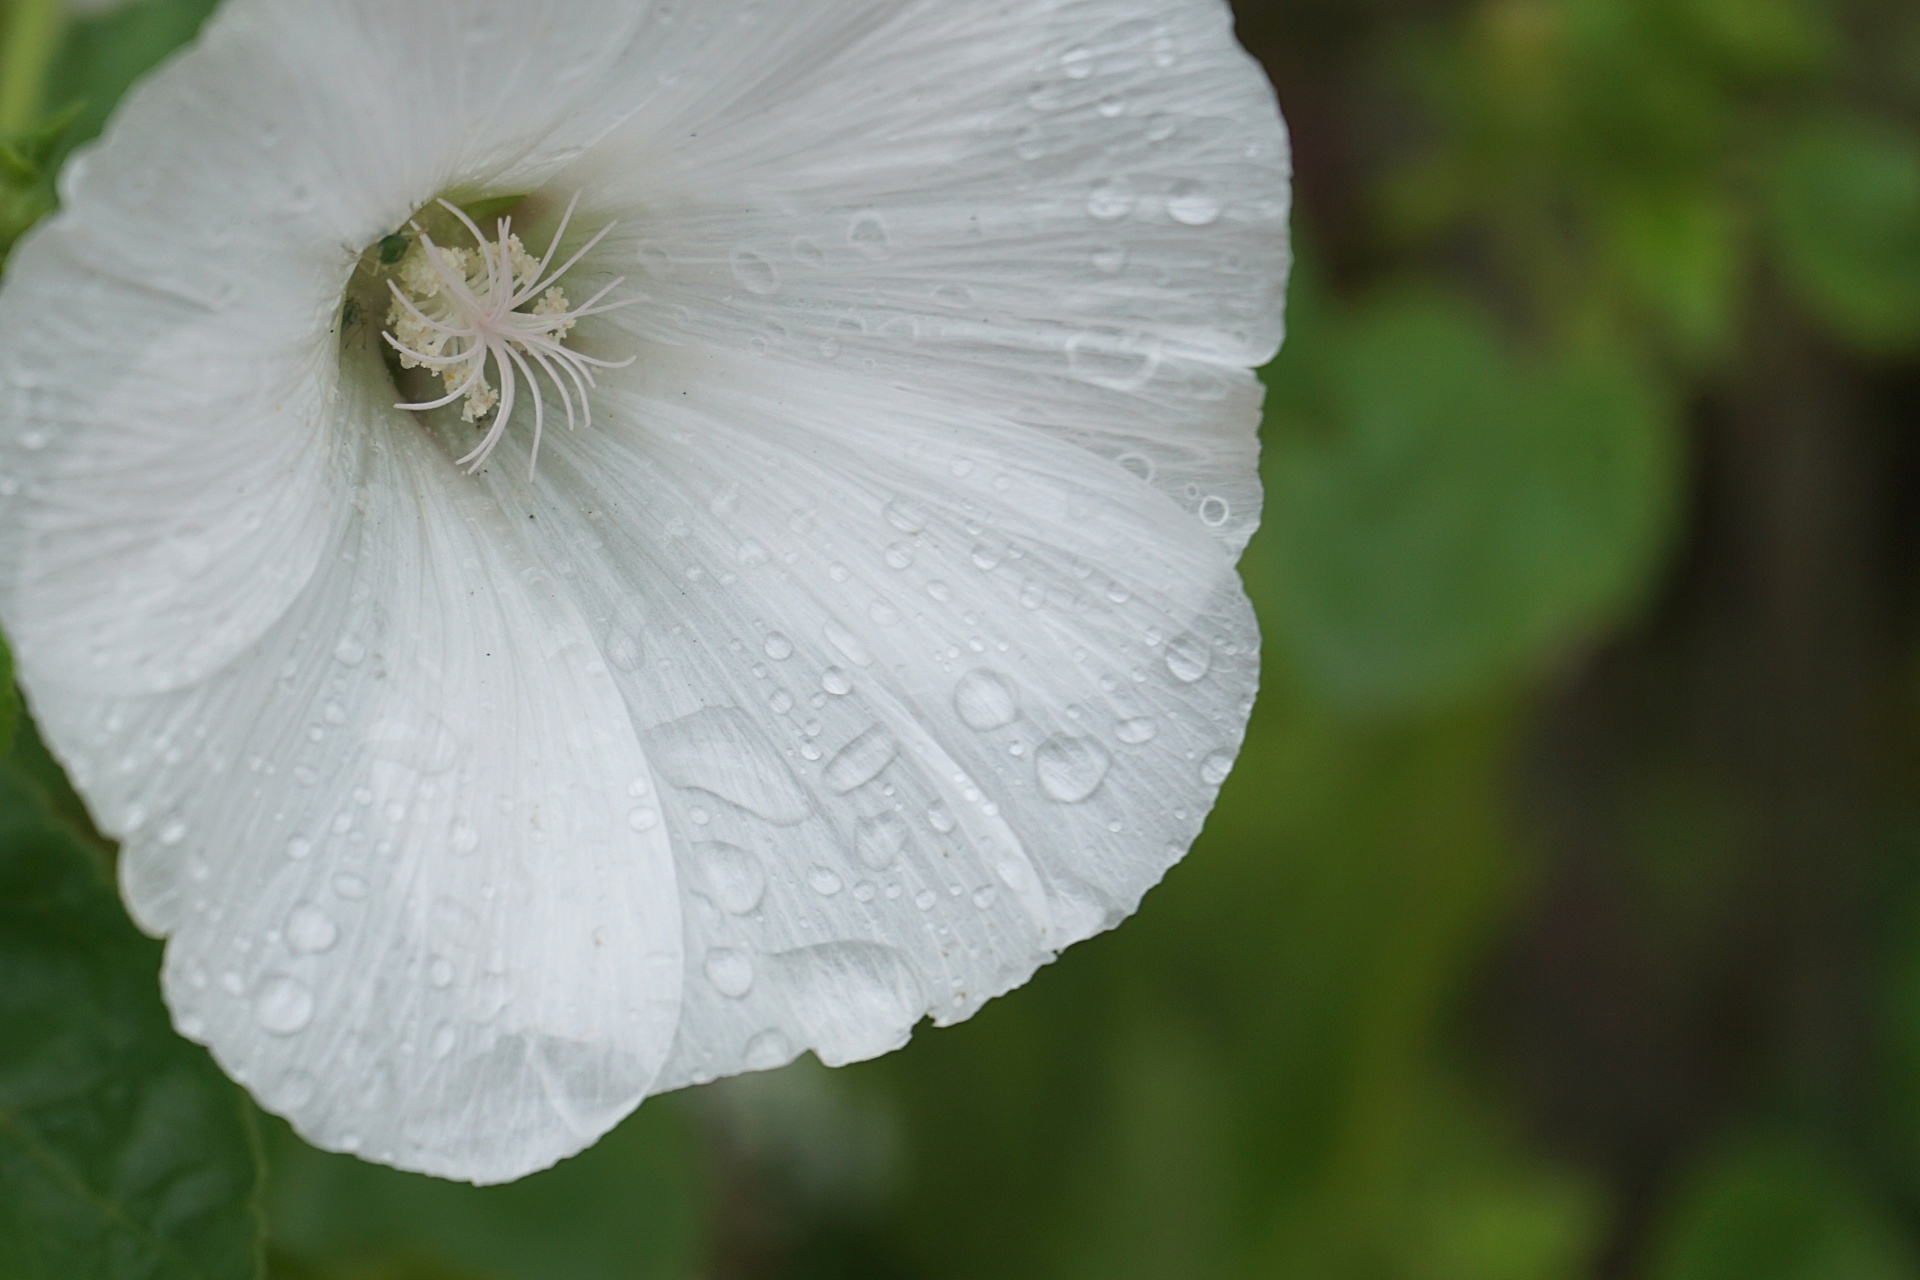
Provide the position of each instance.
(1779, 1210)
(1446, 519)
(124, 1153)
(630, 1208)
(1846, 226)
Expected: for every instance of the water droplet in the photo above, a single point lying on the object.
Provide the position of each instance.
(755, 273)
(752, 553)
(1189, 658)
(1215, 768)
(1071, 769)
(984, 701)
(311, 930)
(1109, 259)
(643, 818)
(984, 896)
(443, 1040)
(940, 818)
(283, 1007)
(465, 838)
(730, 971)
(733, 876)
(823, 881)
(809, 254)
(848, 645)
(299, 847)
(780, 702)
(173, 833)
(350, 652)
(778, 647)
(1077, 63)
(440, 973)
(836, 682)
(349, 886)
(900, 556)
(860, 761)
(880, 839)
(623, 649)
(1215, 512)
(1113, 106)
(292, 1091)
(868, 235)
(768, 1050)
(723, 752)
(925, 899)
(1110, 200)
(1192, 205)
(1136, 732)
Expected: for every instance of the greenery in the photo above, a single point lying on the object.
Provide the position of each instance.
(1562, 918)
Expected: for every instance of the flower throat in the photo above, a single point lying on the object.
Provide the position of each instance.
(484, 318)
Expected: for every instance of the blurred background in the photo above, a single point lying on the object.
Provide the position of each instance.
(1562, 918)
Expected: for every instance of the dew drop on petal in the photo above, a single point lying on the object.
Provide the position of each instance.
(860, 761)
(283, 1007)
(465, 838)
(643, 818)
(311, 930)
(769, 1049)
(824, 881)
(778, 647)
(836, 682)
(1110, 200)
(1189, 658)
(1136, 732)
(880, 840)
(1215, 768)
(984, 701)
(730, 971)
(755, 273)
(1192, 205)
(733, 876)
(1071, 769)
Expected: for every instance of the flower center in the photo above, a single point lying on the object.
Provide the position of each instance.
(488, 319)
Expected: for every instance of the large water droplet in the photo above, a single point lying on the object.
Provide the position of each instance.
(985, 700)
(860, 761)
(734, 877)
(283, 1007)
(769, 1049)
(1071, 769)
(1215, 768)
(868, 236)
(1189, 658)
(1191, 204)
(755, 273)
(880, 839)
(311, 930)
(730, 971)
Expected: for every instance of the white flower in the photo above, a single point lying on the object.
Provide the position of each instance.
(878, 639)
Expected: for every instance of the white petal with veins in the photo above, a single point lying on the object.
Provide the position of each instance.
(880, 638)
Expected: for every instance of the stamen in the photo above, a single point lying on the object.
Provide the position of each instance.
(456, 310)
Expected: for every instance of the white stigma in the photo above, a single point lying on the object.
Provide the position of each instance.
(454, 310)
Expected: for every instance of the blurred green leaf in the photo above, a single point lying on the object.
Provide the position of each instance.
(1444, 518)
(1678, 251)
(1777, 1209)
(124, 1154)
(632, 1207)
(1846, 226)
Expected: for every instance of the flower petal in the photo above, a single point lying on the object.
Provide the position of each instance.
(1074, 210)
(405, 846)
(934, 695)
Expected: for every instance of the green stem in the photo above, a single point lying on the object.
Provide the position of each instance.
(32, 37)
